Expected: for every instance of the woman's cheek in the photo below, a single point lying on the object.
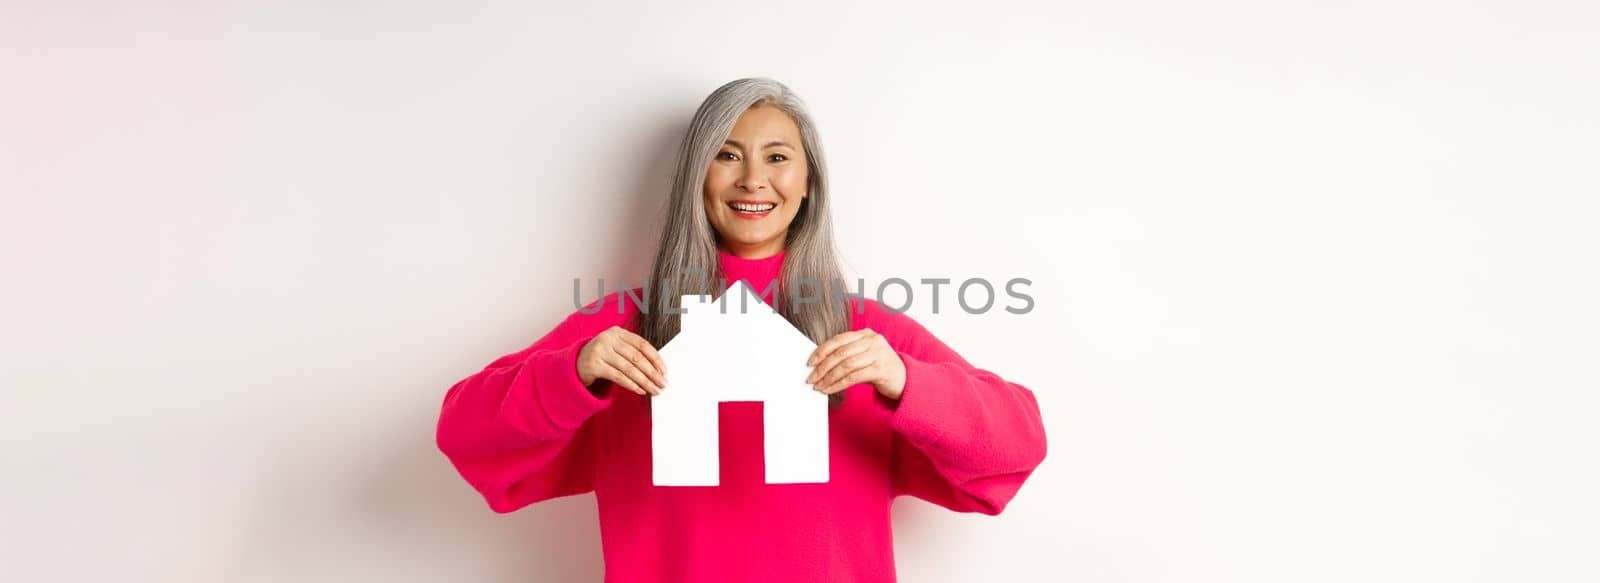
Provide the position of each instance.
(795, 181)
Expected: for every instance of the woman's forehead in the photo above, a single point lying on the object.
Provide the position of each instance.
(763, 125)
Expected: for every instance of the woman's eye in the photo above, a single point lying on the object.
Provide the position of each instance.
(780, 157)
(721, 154)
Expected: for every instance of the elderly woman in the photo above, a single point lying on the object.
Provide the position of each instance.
(569, 414)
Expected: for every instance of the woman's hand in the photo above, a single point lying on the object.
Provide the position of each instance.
(858, 356)
(624, 358)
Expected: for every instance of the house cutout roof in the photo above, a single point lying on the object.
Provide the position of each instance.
(737, 348)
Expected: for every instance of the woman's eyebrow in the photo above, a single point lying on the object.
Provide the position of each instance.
(736, 144)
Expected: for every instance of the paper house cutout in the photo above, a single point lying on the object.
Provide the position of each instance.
(737, 348)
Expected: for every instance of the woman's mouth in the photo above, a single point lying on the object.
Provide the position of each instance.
(751, 210)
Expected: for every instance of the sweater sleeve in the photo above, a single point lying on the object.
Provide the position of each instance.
(519, 431)
(964, 438)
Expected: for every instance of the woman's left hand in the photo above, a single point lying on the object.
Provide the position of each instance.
(857, 356)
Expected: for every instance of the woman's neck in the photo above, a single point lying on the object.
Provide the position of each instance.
(758, 251)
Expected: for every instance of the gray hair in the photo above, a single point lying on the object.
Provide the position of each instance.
(686, 259)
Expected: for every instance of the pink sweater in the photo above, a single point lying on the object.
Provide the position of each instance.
(525, 429)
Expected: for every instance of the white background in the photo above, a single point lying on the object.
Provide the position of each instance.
(1314, 280)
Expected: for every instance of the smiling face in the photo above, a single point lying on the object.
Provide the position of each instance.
(755, 183)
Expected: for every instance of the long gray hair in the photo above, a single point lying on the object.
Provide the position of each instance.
(686, 261)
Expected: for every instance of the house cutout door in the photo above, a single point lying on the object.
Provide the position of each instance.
(737, 348)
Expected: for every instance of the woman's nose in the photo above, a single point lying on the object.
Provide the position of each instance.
(752, 181)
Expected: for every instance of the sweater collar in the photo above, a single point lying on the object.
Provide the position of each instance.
(758, 272)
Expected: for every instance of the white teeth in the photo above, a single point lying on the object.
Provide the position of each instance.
(754, 207)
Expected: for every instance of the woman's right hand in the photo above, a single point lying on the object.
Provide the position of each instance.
(624, 358)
